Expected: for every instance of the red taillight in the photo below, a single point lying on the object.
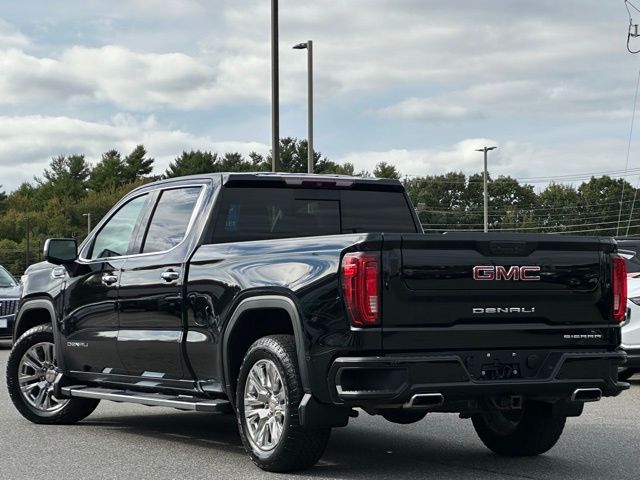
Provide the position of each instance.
(361, 285)
(619, 288)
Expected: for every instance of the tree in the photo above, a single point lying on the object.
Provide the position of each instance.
(234, 162)
(294, 159)
(137, 165)
(558, 205)
(601, 198)
(67, 177)
(109, 173)
(439, 200)
(386, 170)
(259, 163)
(192, 163)
(3, 199)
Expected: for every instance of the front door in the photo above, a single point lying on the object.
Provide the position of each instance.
(90, 321)
(151, 297)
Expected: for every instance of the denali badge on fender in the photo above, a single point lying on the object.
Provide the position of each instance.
(494, 310)
(526, 273)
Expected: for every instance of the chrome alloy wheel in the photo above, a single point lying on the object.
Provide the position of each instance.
(37, 373)
(265, 405)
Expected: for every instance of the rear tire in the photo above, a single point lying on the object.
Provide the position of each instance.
(531, 431)
(269, 393)
(31, 370)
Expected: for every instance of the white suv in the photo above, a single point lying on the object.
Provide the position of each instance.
(631, 330)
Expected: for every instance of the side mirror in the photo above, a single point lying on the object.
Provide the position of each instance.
(60, 250)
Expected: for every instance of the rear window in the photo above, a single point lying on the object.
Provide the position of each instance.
(264, 213)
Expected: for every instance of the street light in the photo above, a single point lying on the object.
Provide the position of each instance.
(88, 215)
(275, 90)
(486, 195)
(308, 46)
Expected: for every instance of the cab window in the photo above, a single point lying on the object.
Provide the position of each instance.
(114, 239)
(170, 219)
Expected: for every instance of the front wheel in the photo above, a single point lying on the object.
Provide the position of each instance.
(533, 430)
(267, 399)
(31, 372)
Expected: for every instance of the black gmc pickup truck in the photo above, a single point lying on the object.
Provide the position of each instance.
(292, 300)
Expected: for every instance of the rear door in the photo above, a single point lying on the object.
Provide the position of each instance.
(455, 292)
(151, 300)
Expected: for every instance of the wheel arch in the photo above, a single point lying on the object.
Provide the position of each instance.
(34, 312)
(287, 321)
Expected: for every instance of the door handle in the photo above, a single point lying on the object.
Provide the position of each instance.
(170, 275)
(109, 279)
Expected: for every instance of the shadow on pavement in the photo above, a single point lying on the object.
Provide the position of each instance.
(353, 452)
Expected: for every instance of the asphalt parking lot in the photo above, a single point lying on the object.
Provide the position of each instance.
(124, 441)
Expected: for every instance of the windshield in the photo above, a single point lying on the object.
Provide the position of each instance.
(6, 280)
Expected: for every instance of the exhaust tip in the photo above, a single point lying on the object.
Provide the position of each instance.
(426, 400)
(586, 395)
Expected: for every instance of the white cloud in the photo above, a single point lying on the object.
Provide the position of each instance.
(557, 99)
(363, 47)
(28, 143)
(130, 81)
(10, 37)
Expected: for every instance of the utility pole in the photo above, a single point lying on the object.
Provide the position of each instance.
(275, 90)
(27, 260)
(88, 215)
(486, 193)
(308, 46)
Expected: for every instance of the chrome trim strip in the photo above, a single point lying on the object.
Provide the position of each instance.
(153, 400)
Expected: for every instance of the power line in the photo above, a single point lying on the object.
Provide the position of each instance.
(569, 232)
(596, 219)
(532, 180)
(554, 226)
(475, 211)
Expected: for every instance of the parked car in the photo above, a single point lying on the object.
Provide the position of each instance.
(629, 248)
(291, 300)
(631, 331)
(9, 296)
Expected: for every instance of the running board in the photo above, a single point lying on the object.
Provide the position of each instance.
(181, 402)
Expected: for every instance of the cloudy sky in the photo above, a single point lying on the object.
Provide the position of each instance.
(419, 83)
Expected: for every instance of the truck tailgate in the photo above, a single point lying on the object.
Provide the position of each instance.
(496, 291)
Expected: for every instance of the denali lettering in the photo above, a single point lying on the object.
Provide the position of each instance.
(494, 310)
(526, 273)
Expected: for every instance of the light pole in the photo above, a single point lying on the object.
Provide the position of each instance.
(308, 46)
(88, 215)
(275, 90)
(486, 194)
